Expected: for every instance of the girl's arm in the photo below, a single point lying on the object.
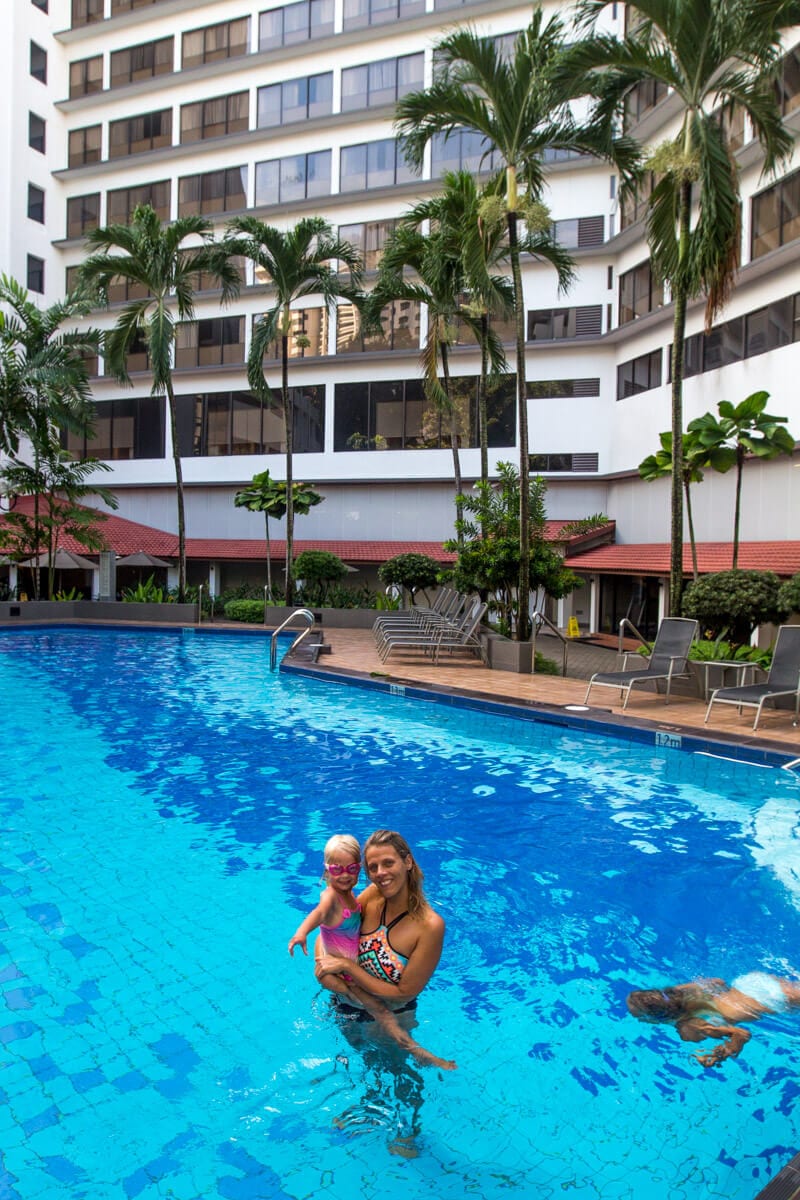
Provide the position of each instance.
(422, 962)
(318, 916)
(733, 1037)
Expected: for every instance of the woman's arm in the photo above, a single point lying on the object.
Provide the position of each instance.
(422, 962)
(318, 916)
(696, 1030)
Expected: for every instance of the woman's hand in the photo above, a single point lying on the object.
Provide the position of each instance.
(331, 964)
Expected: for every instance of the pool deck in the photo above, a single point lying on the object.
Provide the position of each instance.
(353, 653)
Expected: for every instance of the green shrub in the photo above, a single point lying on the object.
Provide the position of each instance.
(733, 603)
(789, 596)
(414, 572)
(545, 666)
(145, 592)
(318, 569)
(250, 611)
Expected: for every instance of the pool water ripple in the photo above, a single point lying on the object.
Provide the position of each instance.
(164, 807)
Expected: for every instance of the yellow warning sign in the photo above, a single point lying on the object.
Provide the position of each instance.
(573, 629)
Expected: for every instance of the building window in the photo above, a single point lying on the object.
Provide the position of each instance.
(207, 281)
(36, 132)
(135, 135)
(639, 375)
(295, 23)
(36, 203)
(399, 329)
(229, 39)
(308, 337)
(38, 63)
(634, 204)
(295, 100)
(214, 342)
(776, 216)
(123, 201)
(121, 6)
(83, 214)
(128, 428)
(35, 274)
(504, 330)
(215, 118)
(564, 462)
(369, 239)
(787, 85)
(42, 4)
(86, 12)
(297, 177)
(213, 192)
(579, 233)
(85, 145)
(142, 62)
(641, 99)
(555, 389)
(396, 415)
(360, 13)
(638, 293)
(462, 150)
(86, 76)
(381, 82)
(230, 423)
(373, 165)
(552, 324)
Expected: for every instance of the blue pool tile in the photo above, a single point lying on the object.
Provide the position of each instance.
(17, 998)
(153, 1171)
(75, 1014)
(44, 1068)
(9, 972)
(77, 946)
(42, 1120)
(88, 990)
(132, 1082)
(18, 1031)
(62, 1169)
(8, 1190)
(84, 1081)
(46, 915)
(173, 1089)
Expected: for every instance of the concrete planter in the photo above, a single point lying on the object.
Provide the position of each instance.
(505, 655)
(13, 611)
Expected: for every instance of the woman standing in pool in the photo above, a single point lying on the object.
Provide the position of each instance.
(401, 937)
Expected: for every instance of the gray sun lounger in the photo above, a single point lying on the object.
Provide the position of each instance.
(667, 660)
(783, 680)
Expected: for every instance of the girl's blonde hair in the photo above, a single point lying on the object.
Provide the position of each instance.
(342, 843)
(417, 903)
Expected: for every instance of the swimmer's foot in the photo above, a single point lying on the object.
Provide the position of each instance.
(426, 1059)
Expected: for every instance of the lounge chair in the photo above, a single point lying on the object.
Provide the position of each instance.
(667, 660)
(783, 679)
(424, 621)
(444, 604)
(459, 635)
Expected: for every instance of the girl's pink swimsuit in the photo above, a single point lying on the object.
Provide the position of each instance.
(342, 939)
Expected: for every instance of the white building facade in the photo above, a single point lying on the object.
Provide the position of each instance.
(230, 106)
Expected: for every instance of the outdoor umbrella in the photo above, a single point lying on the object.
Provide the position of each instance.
(141, 559)
(64, 560)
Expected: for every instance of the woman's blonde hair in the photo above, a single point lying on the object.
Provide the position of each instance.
(417, 903)
(342, 843)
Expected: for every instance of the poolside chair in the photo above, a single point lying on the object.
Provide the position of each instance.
(444, 604)
(667, 660)
(454, 611)
(459, 635)
(782, 681)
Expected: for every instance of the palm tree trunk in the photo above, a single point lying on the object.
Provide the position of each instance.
(453, 442)
(269, 557)
(524, 587)
(690, 520)
(678, 334)
(737, 512)
(288, 417)
(483, 412)
(176, 460)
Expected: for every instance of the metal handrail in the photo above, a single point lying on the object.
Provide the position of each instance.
(540, 619)
(200, 603)
(307, 616)
(630, 625)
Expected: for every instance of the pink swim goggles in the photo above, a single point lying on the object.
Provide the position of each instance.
(334, 869)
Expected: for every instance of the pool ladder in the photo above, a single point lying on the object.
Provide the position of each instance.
(303, 613)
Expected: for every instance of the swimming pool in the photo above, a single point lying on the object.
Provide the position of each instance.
(164, 807)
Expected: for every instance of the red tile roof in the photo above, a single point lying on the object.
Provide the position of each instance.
(652, 558)
(122, 535)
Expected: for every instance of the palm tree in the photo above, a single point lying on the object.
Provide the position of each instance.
(269, 496)
(742, 429)
(297, 263)
(166, 260)
(695, 458)
(715, 56)
(455, 216)
(44, 380)
(520, 108)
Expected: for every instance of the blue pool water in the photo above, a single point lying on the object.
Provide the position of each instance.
(164, 806)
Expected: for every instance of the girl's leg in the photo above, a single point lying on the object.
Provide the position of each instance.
(388, 1022)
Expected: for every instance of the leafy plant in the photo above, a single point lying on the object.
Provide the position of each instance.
(74, 593)
(249, 611)
(733, 603)
(414, 572)
(789, 596)
(145, 592)
(318, 569)
(545, 666)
